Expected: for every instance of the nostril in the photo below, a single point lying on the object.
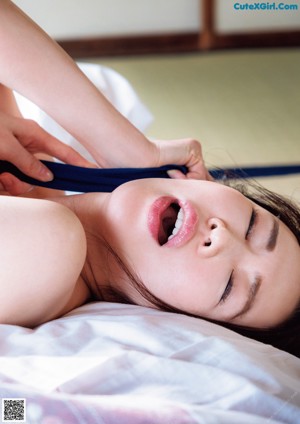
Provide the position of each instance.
(213, 226)
(207, 243)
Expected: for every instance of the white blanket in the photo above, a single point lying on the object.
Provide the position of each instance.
(130, 364)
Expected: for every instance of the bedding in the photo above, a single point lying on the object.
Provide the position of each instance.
(115, 363)
(122, 364)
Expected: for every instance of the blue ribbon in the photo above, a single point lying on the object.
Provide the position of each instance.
(74, 178)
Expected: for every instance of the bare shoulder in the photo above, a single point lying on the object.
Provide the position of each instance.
(42, 252)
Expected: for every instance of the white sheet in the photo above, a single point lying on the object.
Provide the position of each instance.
(113, 356)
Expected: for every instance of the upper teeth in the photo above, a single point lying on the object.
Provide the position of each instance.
(178, 224)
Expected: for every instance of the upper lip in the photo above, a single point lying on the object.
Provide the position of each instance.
(187, 227)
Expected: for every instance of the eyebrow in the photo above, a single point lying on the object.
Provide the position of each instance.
(251, 297)
(271, 243)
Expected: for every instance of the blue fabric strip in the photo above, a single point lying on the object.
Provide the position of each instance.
(74, 178)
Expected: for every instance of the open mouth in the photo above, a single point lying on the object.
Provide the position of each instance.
(171, 221)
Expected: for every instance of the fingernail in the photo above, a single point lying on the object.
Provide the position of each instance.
(175, 174)
(172, 173)
(45, 174)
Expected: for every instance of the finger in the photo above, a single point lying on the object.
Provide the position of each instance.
(209, 177)
(37, 139)
(13, 185)
(176, 174)
(199, 171)
(202, 175)
(15, 153)
(66, 154)
(195, 162)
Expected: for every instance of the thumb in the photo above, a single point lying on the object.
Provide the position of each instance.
(176, 174)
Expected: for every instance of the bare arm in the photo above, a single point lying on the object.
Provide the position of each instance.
(35, 66)
(8, 102)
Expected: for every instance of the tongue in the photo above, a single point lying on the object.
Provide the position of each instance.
(167, 221)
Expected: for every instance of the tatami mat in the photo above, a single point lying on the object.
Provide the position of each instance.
(244, 106)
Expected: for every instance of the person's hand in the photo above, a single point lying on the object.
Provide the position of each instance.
(20, 139)
(186, 152)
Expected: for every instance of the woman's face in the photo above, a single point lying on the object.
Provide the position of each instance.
(229, 259)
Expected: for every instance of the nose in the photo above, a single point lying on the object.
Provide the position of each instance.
(214, 238)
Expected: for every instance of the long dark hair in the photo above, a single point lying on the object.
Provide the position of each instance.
(285, 336)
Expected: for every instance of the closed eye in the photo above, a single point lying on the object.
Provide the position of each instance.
(228, 288)
(252, 222)
(230, 284)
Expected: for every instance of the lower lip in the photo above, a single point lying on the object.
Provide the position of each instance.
(187, 228)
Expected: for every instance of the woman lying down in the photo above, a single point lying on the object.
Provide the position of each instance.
(195, 247)
(189, 246)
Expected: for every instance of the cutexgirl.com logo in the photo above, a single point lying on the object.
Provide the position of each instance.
(279, 6)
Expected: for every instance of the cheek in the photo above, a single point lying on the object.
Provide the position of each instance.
(286, 283)
(280, 294)
(180, 280)
(126, 227)
(286, 262)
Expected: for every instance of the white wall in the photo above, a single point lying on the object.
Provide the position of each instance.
(230, 20)
(66, 19)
